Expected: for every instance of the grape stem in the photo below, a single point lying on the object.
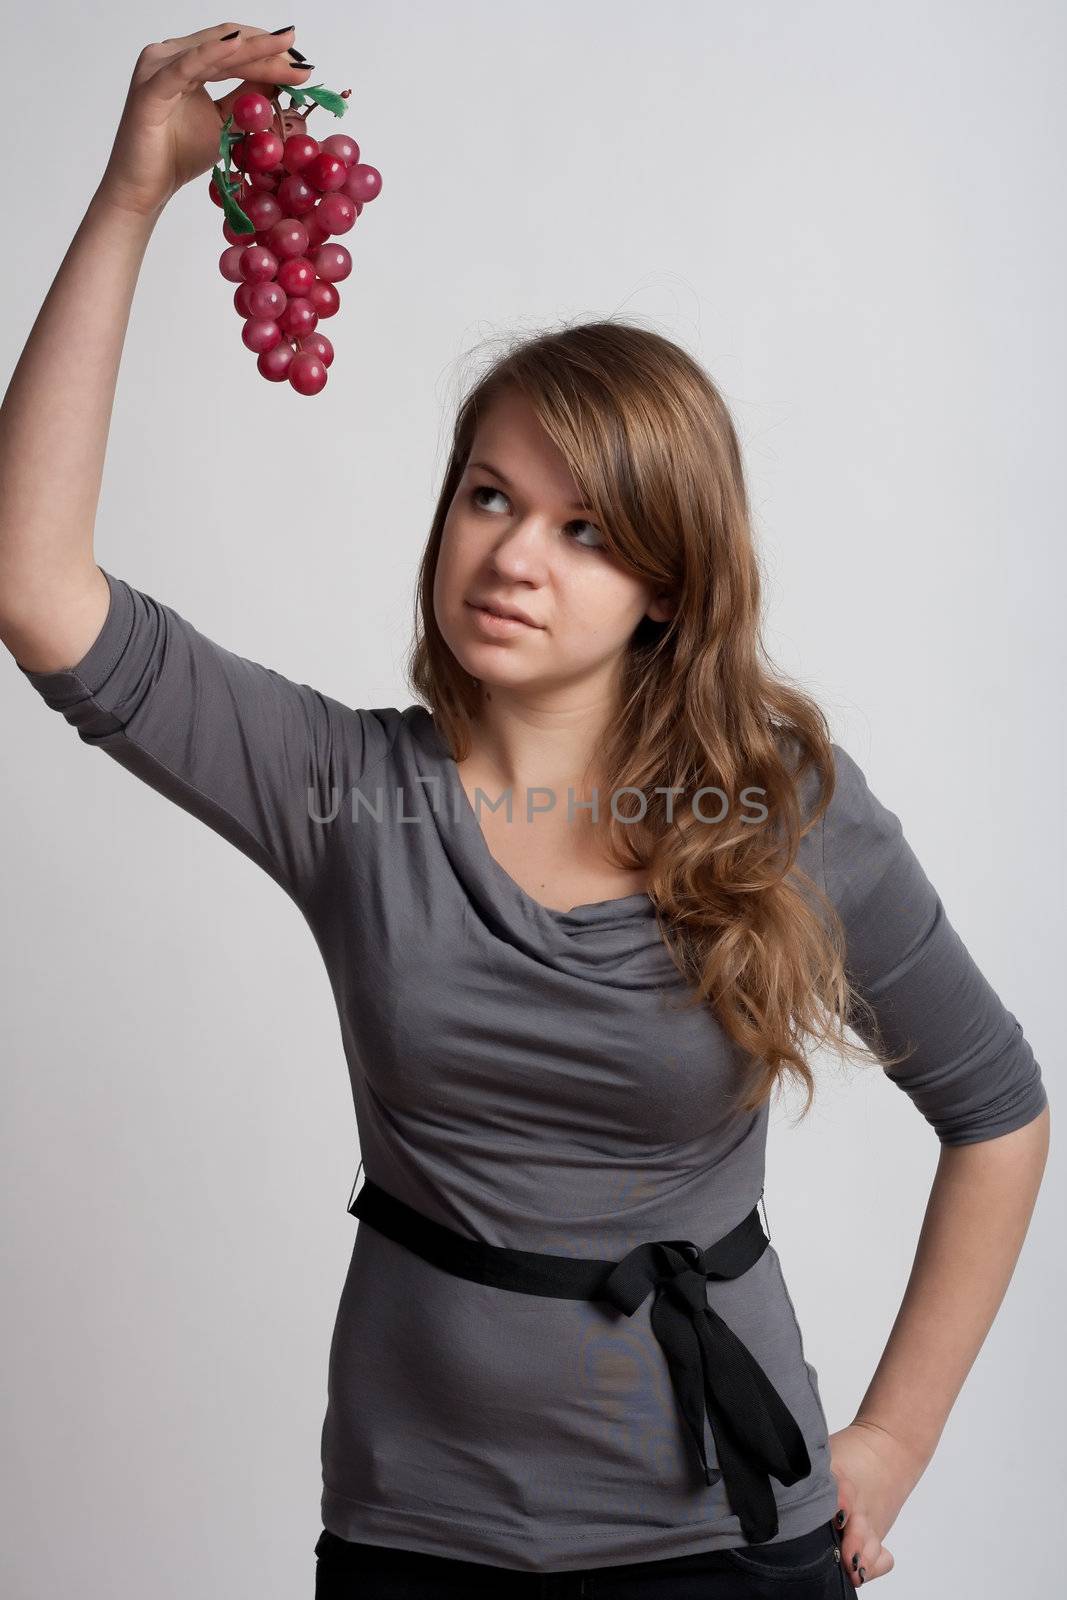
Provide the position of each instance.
(292, 112)
(309, 108)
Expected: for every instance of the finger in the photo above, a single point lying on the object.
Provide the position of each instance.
(865, 1556)
(854, 1540)
(215, 59)
(845, 1499)
(154, 55)
(187, 41)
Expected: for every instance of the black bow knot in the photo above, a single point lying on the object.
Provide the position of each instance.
(713, 1374)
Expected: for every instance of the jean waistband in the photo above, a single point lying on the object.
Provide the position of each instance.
(711, 1370)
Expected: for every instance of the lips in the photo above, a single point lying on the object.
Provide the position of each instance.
(499, 610)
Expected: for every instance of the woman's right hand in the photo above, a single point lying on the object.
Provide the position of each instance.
(169, 130)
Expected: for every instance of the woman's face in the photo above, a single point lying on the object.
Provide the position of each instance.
(516, 539)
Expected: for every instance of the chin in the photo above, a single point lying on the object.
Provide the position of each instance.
(489, 668)
(495, 669)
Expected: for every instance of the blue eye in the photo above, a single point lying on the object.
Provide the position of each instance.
(489, 488)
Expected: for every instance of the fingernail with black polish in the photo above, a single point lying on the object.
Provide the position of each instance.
(855, 1561)
(287, 29)
(840, 1519)
(232, 35)
(863, 1574)
(296, 54)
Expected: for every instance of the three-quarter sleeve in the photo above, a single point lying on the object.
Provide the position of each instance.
(263, 761)
(970, 1071)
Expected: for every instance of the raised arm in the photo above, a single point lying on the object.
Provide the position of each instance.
(264, 761)
(54, 425)
(56, 412)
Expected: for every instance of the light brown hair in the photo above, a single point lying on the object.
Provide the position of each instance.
(653, 449)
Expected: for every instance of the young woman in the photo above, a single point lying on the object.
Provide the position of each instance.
(565, 1344)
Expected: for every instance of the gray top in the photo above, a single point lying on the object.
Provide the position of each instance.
(519, 1074)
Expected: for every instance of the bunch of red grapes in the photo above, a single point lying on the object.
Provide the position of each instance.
(298, 195)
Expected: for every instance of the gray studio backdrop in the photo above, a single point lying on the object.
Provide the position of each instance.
(851, 214)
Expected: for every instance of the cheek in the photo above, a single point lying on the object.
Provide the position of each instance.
(605, 607)
(449, 575)
(453, 579)
(459, 555)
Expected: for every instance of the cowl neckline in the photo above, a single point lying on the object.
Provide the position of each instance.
(620, 936)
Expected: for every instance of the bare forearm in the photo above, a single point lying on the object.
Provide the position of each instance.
(981, 1202)
(56, 414)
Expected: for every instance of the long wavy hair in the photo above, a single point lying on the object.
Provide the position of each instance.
(653, 450)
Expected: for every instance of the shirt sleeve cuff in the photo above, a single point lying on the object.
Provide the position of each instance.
(69, 684)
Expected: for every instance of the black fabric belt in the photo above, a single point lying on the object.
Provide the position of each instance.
(756, 1436)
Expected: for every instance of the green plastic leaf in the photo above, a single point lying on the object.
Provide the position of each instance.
(327, 98)
(231, 210)
(228, 137)
(228, 179)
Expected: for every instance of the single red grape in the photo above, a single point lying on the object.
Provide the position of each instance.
(240, 298)
(267, 300)
(332, 262)
(296, 275)
(296, 196)
(316, 233)
(252, 112)
(324, 297)
(288, 238)
(318, 343)
(230, 263)
(300, 148)
(340, 145)
(265, 181)
(307, 373)
(326, 172)
(262, 211)
(261, 333)
(363, 182)
(257, 264)
(274, 363)
(335, 213)
(299, 317)
(264, 152)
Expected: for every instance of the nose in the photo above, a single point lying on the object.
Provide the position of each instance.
(518, 553)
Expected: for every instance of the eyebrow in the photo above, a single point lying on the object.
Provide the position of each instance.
(487, 466)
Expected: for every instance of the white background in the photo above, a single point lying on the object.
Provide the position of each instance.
(853, 216)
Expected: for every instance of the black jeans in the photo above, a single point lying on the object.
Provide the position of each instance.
(808, 1567)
